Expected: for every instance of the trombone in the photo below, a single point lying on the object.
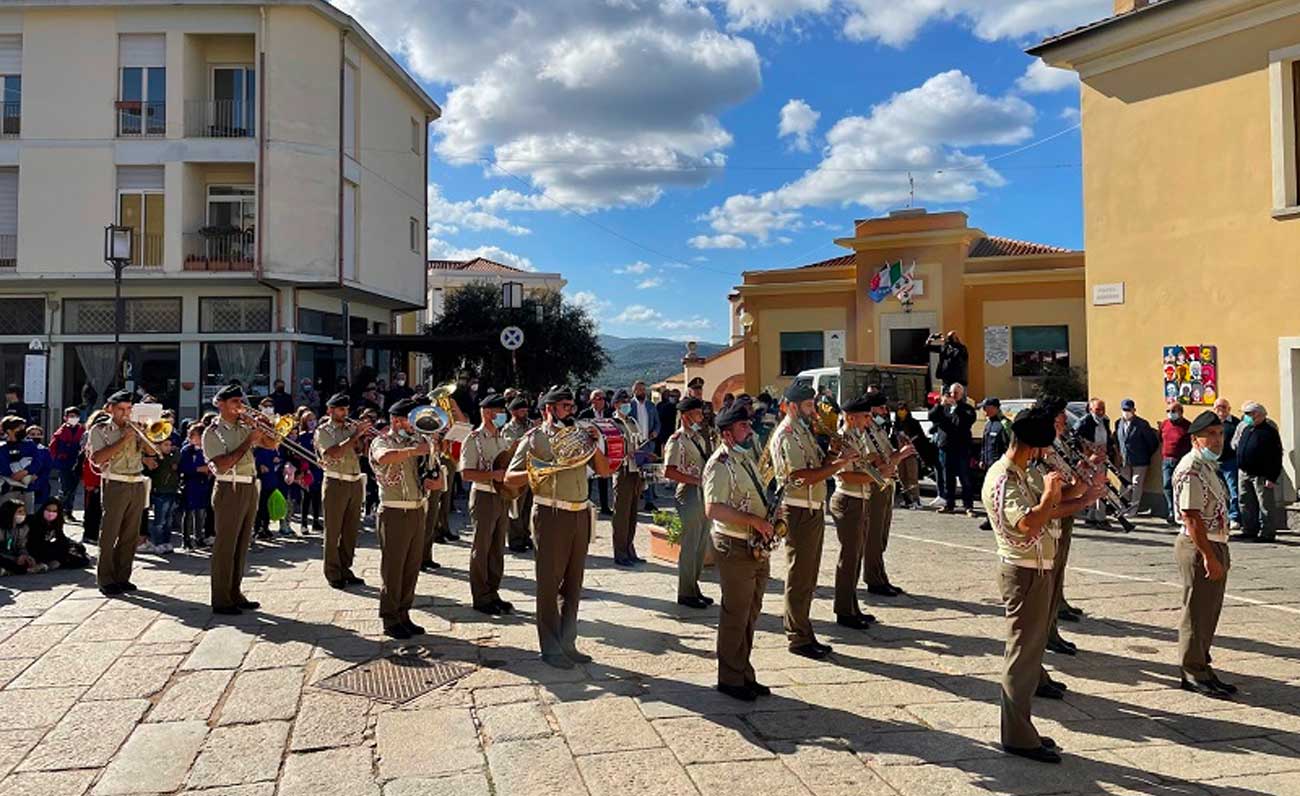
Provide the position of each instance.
(280, 428)
(148, 424)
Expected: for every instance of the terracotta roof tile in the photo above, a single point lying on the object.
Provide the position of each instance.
(1091, 26)
(479, 265)
(843, 259)
(1010, 247)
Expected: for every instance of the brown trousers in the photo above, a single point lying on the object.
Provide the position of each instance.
(1202, 604)
(880, 513)
(432, 516)
(488, 513)
(694, 542)
(1027, 594)
(1059, 560)
(234, 507)
(522, 508)
(119, 531)
(401, 535)
(803, 556)
(627, 497)
(850, 515)
(561, 538)
(743, 579)
(341, 502)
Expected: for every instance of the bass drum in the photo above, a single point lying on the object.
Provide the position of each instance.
(615, 443)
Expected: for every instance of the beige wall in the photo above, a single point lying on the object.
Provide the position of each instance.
(1000, 382)
(85, 85)
(771, 322)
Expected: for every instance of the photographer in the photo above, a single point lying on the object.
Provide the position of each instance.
(953, 358)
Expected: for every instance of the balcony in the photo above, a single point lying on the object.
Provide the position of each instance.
(219, 119)
(11, 117)
(141, 119)
(8, 251)
(220, 249)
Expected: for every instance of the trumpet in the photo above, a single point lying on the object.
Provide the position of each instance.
(826, 423)
(279, 428)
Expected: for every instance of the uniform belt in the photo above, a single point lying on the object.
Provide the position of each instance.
(721, 531)
(123, 479)
(401, 504)
(811, 505)
(478, 487)
(854, 490)
(344, 476)
(1221, 538)
(235, 479)
(1028, 563)
(563, 505)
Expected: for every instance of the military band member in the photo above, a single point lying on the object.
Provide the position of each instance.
(1026, 525)
(880, 509)
(519, 540)
(629, 483)
(734, 503)
(394, 457)
(562, 525)
(695, 389)
(435, 475)
(1201, 550)
(850, 509)
(116, 451)
(1055, 642)
(488, 511)
(685, 454)
(801, 470)
(228, 446)
(344, 493)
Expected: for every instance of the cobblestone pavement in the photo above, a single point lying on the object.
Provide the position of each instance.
(152, 695)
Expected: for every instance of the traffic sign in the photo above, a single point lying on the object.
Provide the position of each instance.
(512, 337)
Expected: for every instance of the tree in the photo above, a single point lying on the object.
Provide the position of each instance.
(1060, 381)
(560, 343)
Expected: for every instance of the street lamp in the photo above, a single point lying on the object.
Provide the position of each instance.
(512, 295)
(119, 243)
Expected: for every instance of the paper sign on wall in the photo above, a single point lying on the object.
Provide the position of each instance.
(34, 366)
(997, 345)
(833, 347)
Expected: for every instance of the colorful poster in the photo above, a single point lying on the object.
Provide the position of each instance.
(1191, 374)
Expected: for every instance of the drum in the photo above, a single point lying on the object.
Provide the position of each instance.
(615, 444)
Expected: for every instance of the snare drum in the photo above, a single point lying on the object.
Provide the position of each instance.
(615, 444)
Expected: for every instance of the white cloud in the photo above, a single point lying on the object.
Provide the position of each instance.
(641, 315)
(1039, 78)
(647, 284)
(592, 303)
(447, 217)
(637, 313)
(597, 104)
(1072, 115)
(716, 242)
(696, 323)
(635, 268)
(867, 158)
(798, 120)
(766, 13)
(442, 250)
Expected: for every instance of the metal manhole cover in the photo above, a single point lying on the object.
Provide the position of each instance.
(397, 678)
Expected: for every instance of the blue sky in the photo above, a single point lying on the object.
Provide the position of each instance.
(652, 150)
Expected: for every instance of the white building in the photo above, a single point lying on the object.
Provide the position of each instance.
(447, 275)
(271, 157)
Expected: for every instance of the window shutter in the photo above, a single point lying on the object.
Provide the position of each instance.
(139, 178)
(142, 49)
(8, 201)
(11, 55)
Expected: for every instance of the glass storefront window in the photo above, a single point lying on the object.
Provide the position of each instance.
(154, 369)
(247, 363)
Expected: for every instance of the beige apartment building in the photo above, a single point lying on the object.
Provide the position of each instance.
(271, 158)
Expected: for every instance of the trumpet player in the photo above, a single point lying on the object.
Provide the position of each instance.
(801, 472)
(343, 495)
(850, 508)
(685, 455)
(488, 511)
(518, 539)
(734, 502)
(115, 450)
(228, 446)
(880, 509)
(1060, 609)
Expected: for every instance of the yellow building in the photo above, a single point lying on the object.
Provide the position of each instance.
(1028, 299)
(1190, 187)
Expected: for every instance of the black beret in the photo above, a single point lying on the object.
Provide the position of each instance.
(696, 383)
(518, 403)
(861, 404)
(401, 408)
(689, 404)
(622, 395)
(339, 399)
(877, 399)
(1205, 420)
(557, 394)
(127, 397)
(1035, 427)
(421, 400)
(799, 392)
(494, 401)
(731, 415)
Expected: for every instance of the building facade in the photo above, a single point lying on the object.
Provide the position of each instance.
(446, 276)
(1192, 216)
(1026, 299)
(270, 158)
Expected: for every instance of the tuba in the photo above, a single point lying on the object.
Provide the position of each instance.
(826, 423)
(571, 447)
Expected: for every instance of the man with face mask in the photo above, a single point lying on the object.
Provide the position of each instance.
(1175, 442)
(1025, 514)
(802, 470)
(398, 390)
(519, 540)
(735, 503)
(646, 415)
(1137, 445)
(1201, 551)
(488, 511)
(684, 458)
(1259, 458)
(628, 481)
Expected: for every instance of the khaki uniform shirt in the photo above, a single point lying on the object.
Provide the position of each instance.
(479, 450)
(327, 436)
(222, 438)
(516, 429)
(396, 482)
(567, 485)
(731, 478)
(1197, 487)
(687, 451)
(793, 447)
(127, 459)
(859, 466)
(1009, 493)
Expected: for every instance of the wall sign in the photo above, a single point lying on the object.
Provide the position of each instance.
(34, 368)
(997, 345)
(833, 347)
(1191, 373)
(1107, 294)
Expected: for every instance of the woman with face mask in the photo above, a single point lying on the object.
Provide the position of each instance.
(48, 543)
(15, 559)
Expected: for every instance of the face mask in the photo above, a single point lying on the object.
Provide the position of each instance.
(1174, 415)
(51, 516)
(747, 444)
(1248, 420)
(499, 421)
(1208, 454)
(625, 410)
(1129, 415)
(19, 519)
(878, 420)
(400, 382)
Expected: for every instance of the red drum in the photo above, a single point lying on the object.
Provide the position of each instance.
(615, 445)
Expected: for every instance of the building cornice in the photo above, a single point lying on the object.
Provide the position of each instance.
(938, 237)
(1022, 277)
(787, 288)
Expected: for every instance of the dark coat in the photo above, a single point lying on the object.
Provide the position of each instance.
(1259, 453)
(952, 431)
(953, 362)
(1140, 443)
(1087, 431)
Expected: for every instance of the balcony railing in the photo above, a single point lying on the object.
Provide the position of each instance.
(11, 117)
(219, 249)
(219, 119)
(137, 118)
(8, 251)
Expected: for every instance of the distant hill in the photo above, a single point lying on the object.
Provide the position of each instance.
(650, 359)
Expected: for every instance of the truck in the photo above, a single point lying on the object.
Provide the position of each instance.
(851, 379)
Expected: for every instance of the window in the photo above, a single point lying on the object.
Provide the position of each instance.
(325, 324)
(143, 212)
(142, 85)
(231, 218)
(247, 363)
(23, 316)
(415, 235)
(8, 218)
(417, 135)
(801, 351)
(234, 94)
(141, 316)
(350, 109)
(349, 230)
(11, 112)
(1284, 99)
(1032, 347)
(235, 315)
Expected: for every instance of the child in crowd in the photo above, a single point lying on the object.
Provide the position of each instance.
(164, 497)
(47, 541)
(15, 558)
(196, 491)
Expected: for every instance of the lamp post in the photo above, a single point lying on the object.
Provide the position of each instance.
(119, 243)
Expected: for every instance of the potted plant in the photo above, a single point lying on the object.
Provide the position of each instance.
(666, 536)
(195, 262)
(220, 243)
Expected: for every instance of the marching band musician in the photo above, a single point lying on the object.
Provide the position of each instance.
(228, 446)
(629, 482)
(880, 509)
(562, 525)
(344, 493)
(1025, 515)
(695, 389)
(433, 473)
(802, 471)
(734, 503)
(685, 455)
(488, 511)
(1059, 608)
(394, 457)
(850, 508)
(518, 540)
(116, 451)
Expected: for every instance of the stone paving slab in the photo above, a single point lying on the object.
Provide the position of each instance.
(87, 736)
(155, 759)
(240, 755)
